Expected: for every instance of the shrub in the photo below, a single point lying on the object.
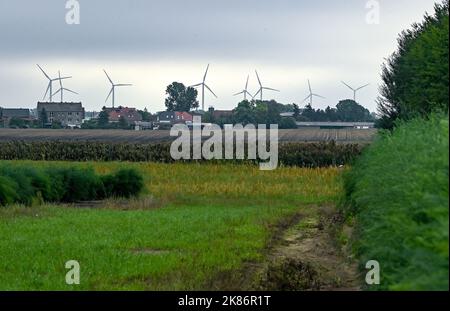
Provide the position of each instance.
(24, 190)
(25, 183)
(80, 184)
(8, 190)
(398, 192)
(124, 183)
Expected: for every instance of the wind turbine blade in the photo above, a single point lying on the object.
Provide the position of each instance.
(56, 92)
(246, 84)
(196, 85)
(110, 92)
(210, 90)
(362, 87)
(108, 76)
(259, 80)
(317, 95)
(309, 85)
(46, 92)
(347, 85)
(60, 80)
(70, 91)
(239, 93)
(43, 72)
(63, 78)
(123, 84)
(257, 93)
(206, 72)
(309, 96)
(270, 89)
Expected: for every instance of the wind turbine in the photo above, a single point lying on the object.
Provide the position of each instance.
(62, 89)
(311, 95)
(113, 88)
(50, 83)
(204, 85)
(355, 90)
(245, 91)
(262, 88)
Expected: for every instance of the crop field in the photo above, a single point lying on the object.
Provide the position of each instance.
(148, 137)
(193, 227)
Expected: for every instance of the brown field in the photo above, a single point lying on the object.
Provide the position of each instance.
(121, 136)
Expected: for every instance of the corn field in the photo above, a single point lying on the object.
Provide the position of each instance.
(290, 154)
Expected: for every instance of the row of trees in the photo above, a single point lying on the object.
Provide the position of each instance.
(254, 112)
(416, 77)
(269, 112)
(346, 111)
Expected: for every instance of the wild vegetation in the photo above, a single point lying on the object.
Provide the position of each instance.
(194, 227)
(398, 192)
(28, 183)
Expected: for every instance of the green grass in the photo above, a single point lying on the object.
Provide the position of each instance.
(194, 225)
(398, 191)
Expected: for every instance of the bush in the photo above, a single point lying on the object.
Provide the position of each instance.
(288, 123)
(8, 190)
(24, 183)
(78, 184)
(398, 192)
(124, 183)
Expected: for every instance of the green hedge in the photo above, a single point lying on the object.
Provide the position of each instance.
(290, 154)
(398, 193)
(26, 184)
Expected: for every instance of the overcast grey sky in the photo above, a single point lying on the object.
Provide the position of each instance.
(153, 43)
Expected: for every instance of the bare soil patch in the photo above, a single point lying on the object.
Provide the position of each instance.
(308, 257)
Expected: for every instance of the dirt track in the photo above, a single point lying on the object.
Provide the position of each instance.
(308, 257)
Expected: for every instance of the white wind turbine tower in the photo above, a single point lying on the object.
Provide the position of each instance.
(245, 91)
(311, 94)
(62, 89)
(355, 90)
(50, 83)
(204, 85)
(262, 88)
(113, 88)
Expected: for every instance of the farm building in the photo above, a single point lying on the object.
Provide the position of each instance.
(7, 114)
(142, 126)
(174, 117)
(131, 115)
(287, 114)
(68, 114)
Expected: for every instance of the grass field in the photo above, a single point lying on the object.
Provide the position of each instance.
(193, 228)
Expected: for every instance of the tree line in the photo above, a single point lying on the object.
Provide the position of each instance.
(416, 76)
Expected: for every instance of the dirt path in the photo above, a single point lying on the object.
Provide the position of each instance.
(307, 257)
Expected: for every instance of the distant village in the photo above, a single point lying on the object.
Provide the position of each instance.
(72, 115)
(182, 105)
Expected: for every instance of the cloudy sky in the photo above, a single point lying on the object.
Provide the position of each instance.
(151, 43)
